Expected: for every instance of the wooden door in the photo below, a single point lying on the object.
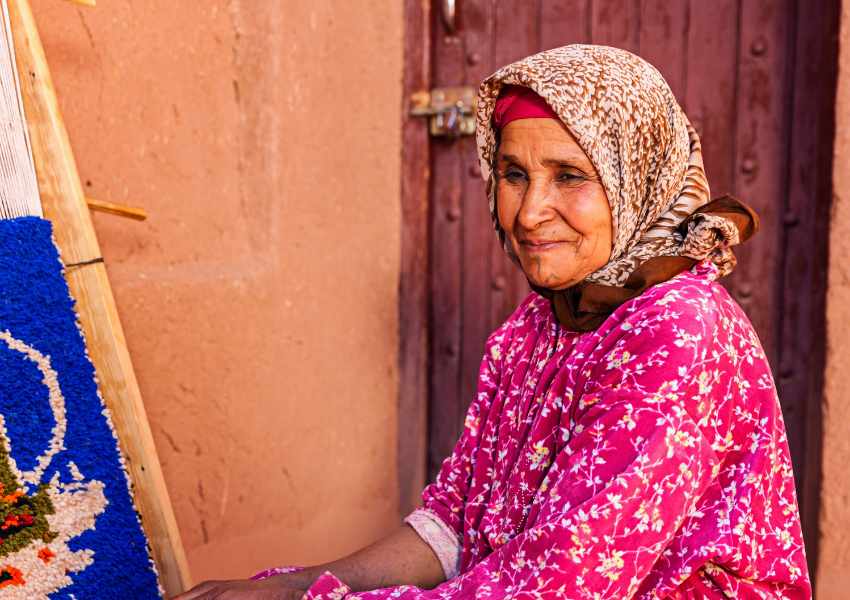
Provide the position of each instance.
(758, 85)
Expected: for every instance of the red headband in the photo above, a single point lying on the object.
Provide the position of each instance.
(519, 102)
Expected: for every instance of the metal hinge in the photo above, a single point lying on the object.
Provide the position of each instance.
(450, 110)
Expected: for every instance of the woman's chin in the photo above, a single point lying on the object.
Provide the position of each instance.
(552, 270)
(550, 280)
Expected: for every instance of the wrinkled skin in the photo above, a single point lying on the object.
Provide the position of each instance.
(551, 204)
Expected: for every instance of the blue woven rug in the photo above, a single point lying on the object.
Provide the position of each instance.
(68, 528)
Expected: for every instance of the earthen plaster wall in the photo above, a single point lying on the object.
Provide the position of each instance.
(833, 577)
(260, 298)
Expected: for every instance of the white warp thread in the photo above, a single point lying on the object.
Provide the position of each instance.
(18, 185)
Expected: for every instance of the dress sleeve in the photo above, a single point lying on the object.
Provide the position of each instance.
(639, 453)
(440, 537)
(439, 521)
(446, 496)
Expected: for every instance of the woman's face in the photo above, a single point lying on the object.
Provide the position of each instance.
(551, 204)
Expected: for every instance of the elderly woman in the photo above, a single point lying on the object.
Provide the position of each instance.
(625, 440)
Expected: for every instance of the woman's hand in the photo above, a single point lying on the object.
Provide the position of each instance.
(272, 588)
(401, 558)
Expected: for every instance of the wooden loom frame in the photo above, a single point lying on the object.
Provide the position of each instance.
(64, 204)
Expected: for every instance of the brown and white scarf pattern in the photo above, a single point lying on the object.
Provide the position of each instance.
(627, 120)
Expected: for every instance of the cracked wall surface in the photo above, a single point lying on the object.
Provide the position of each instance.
(833, 577)
(260, 298)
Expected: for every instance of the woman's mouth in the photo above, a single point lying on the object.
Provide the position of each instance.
(540, 245)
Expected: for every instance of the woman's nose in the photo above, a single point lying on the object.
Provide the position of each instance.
(536, 205)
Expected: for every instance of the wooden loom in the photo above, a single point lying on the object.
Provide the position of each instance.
(65, 205)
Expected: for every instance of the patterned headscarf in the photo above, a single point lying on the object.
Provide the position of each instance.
(626, 119)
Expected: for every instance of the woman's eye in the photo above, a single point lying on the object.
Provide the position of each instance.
(567, 177)
(514, 176)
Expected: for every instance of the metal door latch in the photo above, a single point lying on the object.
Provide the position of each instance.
(450, 110)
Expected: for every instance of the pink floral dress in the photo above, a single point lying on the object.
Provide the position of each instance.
(646, 459)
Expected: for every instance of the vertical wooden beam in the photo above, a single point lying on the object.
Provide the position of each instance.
(412, 424)
(761, 163)
(805, 221)
(445, 271)
(65, 206)
(477, 233)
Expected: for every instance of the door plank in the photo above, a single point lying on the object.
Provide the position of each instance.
(479, 22)
(805, 221)
(616, 23)
(664, 40)
(760, 160)
(710, 86)
(445, 258)
(564, 22)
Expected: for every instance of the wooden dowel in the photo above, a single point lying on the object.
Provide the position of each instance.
(131, 212)
(65, 206)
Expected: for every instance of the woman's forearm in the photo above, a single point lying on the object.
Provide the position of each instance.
(401, 558)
